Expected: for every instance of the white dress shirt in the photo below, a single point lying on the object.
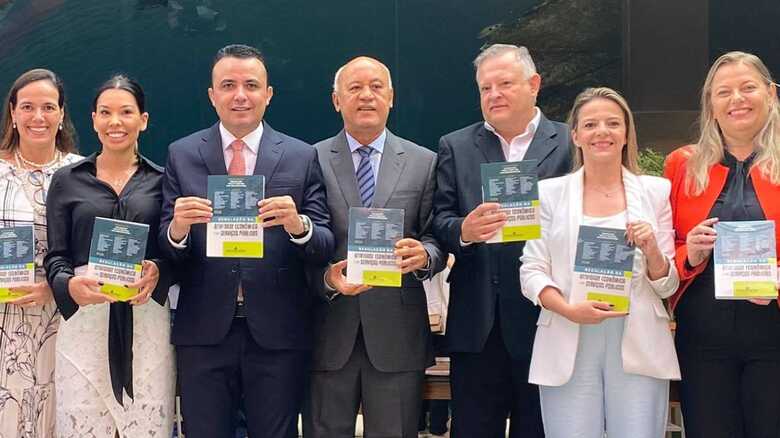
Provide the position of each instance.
(515, 149)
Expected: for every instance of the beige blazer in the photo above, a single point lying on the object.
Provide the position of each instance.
(647, 347)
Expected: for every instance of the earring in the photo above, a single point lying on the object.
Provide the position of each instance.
(14, 125)
(60, 126)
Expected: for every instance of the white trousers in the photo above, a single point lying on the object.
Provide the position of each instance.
(600, 396)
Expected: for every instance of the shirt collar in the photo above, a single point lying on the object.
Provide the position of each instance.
(378, 144)
(91, 162)
(252, 140)
(529, 130)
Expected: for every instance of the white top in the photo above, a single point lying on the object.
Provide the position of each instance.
(617, 220)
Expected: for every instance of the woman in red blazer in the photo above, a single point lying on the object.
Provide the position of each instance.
(729, 350)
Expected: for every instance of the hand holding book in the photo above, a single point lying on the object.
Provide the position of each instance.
(36, 294)
(700, 241)
(86, 290)
(337, 280)
(150, 274)
(482, 223)
(412, 253)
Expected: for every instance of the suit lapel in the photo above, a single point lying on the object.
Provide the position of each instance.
(575, 189)
(269, 153)
(489, 145)
(211, 152)
(390, 168)
(344, 169)
(543, 143)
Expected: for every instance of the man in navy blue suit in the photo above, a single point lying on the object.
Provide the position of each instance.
(243, 326)
(491, 326)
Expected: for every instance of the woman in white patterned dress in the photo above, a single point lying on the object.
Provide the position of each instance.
(36, 138)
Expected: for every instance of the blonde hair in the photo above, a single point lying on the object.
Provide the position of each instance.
(631, 149)
(708, 150)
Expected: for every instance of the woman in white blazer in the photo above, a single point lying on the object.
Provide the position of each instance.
(598, 369)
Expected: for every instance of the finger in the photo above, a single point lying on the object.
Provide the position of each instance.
(19, 289)
(193, 199)
(613, 314)
(760, 301)
(21, 301)
(486, 207)
(409, 252)
(271, 223)
(601, 305)
(709, 222)
(407, 242)
(340, 265)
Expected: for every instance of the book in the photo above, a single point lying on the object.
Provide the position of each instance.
(603, 266)
(371, 240)
(514, 185)
(17, 265)
(745, 260)
(116, 254)
(235, 229)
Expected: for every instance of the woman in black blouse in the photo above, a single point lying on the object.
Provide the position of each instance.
(114, 369)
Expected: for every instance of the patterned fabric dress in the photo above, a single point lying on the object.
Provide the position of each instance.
(27, 335)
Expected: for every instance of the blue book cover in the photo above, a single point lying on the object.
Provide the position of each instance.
(514, 185)
(17, 265)
(603, 266)
(745, 259)
(372, 235)
(116, 254)
(235, 229)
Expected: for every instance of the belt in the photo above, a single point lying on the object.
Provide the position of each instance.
(240, 310)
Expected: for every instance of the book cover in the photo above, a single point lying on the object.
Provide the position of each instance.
(603, 266)
(116, 254)
(514, 185)
(17, 265)
(745, 259)
(235, 229)
(372, 235)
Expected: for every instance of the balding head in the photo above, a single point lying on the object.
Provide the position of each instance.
(363, 94)
(357, 60)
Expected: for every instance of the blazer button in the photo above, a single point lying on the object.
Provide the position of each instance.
(495, 281)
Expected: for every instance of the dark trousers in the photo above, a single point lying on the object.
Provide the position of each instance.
(490, 386)
(729, 356)
(215, 378)
(391, 401)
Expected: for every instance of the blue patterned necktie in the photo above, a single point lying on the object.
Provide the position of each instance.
(365, 176)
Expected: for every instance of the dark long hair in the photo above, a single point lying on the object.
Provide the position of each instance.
(65, 139)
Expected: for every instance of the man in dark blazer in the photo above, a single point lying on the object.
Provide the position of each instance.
(490, 328)
(243, 326)
(373, 345)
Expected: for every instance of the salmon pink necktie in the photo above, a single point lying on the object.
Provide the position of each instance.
(237, 164)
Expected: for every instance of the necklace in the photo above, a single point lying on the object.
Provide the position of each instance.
(118, 182)
(20, 160)
(608, 194)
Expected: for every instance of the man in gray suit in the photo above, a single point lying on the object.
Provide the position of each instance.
(372, 344)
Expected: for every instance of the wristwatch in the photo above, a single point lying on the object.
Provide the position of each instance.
(306, 227)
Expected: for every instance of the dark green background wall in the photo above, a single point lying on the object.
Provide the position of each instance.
(168, 46)
(639, 47)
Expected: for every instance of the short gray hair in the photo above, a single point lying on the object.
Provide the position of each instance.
(341, 69)
(521, 56)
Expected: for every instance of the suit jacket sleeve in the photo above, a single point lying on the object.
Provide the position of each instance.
(319, 249)
(171, 191)
(536, 261)
(437, 256)
(674, 171)
(447, 220)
